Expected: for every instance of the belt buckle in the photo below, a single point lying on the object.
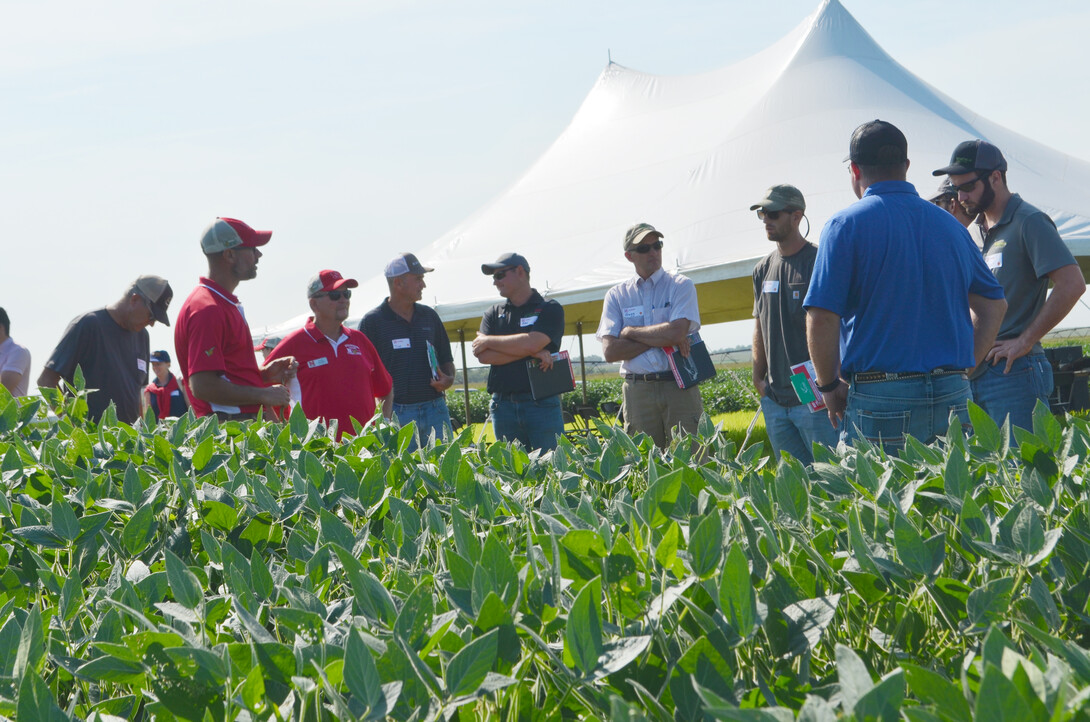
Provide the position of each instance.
(891, 376)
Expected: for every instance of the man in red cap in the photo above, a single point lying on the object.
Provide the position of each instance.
(340, 373)
(212, 337)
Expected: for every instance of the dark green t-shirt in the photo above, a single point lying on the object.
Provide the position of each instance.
(779, 287)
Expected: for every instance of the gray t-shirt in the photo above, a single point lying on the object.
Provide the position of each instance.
(114, 361)
(779, 287)
(1021, 250)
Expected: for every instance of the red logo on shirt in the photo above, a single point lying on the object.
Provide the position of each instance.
(353, 350)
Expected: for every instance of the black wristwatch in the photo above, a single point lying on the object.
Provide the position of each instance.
(831, 386)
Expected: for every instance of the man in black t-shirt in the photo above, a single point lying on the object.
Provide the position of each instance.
(525, 326)
(111, 346)
(780, 282)
(414, 348)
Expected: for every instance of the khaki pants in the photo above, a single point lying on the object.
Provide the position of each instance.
(656, 407)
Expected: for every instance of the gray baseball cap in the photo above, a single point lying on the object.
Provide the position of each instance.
(225, 233)
(158, 293)
(405, 263)
(780, 197)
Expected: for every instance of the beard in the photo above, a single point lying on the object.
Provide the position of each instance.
(977, 209)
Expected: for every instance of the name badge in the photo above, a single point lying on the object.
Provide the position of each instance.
(994, 261)
(402, 343)
(175, 392)
(632, 313)
(141, 364)
(352, 349)
(527, 321)
(317, 362)
(771, 287)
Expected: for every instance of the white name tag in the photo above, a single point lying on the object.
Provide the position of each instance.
(994, 260)
(317, 362)
(771, 287)
(527, 321)
(402, 343)
(141, 364)
(175, 392)
(632, 313)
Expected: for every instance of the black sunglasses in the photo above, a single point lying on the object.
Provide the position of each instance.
(646, 247)
(498, 275)
(967, 186)
(336, 295)
(772, 215)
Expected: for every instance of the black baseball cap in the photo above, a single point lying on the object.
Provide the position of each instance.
(973, 155)
(877, 142)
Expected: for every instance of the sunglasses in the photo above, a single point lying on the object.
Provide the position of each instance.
(500, 274)
(646, 247)
(336, 295)
(771, 215)
(967, 186)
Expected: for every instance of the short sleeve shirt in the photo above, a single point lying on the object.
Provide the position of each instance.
(403, 347)
(1021, 250)
(114, 361)
(14, 357)
(662, 298)
(507, 319)
(779, 288)
(339, 379)
(211, 334)
(898, 271)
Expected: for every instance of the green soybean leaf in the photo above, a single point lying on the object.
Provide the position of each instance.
(855, 680)
(31, 651)
(183, 583)
(932, 687)
(203, 453)
(253, 691)
(139, 530)
(583, 633)
(706, 545)
(999, 699)
(883, 703)
(737, 598)
(468, 668)
(666, 551)
(65, 523)
(36, 701)
(985, 430)
(360, 673)
(1027, 533)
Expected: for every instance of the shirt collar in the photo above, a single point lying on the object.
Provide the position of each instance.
(886, 187)
(218, 289)
(653, 279)
(1008, 213)
(315, 333)
(535, 298)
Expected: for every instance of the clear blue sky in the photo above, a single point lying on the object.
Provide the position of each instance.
(354, 130)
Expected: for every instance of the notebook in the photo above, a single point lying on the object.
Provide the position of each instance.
(689, 372)
(557, 380)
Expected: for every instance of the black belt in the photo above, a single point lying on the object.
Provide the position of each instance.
(247, 416)
(657, 376)
(870, 377)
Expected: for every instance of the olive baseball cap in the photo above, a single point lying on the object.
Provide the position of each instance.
(507, 260)
(635, 235)
(225, 233)
(878, 143)
(973, 155)
(781, 197)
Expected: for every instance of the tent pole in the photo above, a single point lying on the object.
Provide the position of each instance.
(582, 360)
(465, 374)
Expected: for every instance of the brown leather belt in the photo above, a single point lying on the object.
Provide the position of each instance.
(659, 376)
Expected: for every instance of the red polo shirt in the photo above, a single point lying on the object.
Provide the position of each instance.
(211, 334)
(339, 380)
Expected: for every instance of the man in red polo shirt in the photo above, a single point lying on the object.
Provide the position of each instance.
(213, 340)
(340, 373)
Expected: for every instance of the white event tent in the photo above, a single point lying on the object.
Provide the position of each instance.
(690, 154)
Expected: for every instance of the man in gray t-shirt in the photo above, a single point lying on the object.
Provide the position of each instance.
(780, 282)
(1025, 252)
(111, 347)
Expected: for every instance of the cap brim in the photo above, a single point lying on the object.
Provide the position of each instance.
(489, 268)
(769, 205)
(160, 314)
(343, 283)
(260, 239)
(952, 169)
(640, 238)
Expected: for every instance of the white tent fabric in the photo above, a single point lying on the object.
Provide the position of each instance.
(691, 154)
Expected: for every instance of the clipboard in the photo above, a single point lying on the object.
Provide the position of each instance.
(557, 380)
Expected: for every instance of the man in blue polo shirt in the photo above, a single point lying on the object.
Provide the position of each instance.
(889, 303)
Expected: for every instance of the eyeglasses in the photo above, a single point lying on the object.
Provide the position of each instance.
(336, 295)
(646, 247)
(967, 187)
(500, 274)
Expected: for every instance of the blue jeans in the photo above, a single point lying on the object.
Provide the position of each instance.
(884, 412)
(430, 416)
(517, 417)
(1014, 394)
(794, 429)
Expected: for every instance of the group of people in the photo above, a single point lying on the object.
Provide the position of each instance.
(899, 313)
(907, 309)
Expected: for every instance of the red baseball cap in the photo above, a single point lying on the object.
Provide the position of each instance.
(227, 233)
(327, 281)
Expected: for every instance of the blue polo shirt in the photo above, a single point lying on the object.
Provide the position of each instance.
(898, 271)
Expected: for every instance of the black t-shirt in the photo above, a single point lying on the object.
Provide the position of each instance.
(114, 361)
(779, 287)
(403, 348)
(506, 319)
